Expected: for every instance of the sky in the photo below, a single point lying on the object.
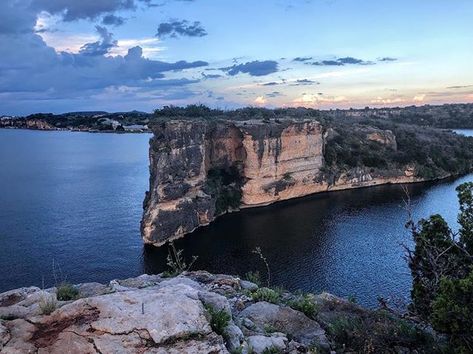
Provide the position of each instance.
(120, 55)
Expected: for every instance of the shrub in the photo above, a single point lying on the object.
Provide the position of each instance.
(66, 292)
(266, 294)
(452, 312)
(176, 262)
(47, 305)
(272, 350)
(305, 304)
(253, 277)
(218, 319)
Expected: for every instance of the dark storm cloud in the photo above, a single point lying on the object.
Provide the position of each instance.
(211, 76)
(15, 17)
(72, 10)
(275, 94)
(304, 82)
(112, 20)
(253, 68)
(272, 83)
(302, 59)
(387, 59)
(459, 87)
(341, 62)
(68, 75)
(176, 28)
(101, 47)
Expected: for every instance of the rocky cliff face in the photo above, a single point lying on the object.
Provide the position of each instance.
(201, 169)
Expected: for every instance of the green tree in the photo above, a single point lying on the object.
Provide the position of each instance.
(442, 272)
(452, 312)
(465, 218)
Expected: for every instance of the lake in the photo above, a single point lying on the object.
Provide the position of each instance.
(71, 203)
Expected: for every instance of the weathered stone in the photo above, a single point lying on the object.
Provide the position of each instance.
(261, 343)
(248, 285)
(70, 343)
(116, 286)
(168, 314)
(21, 332)
(214, 300)
(233, 336)
(29, 306)
(141, 281)
(92, 289)
(211, 345)
(13, 297)
(4, 335)
(286, 320)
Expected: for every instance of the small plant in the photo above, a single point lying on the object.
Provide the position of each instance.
(266, 294)
(257, 251)
(176, 262)
(254, 277)
(47, 305)
(66, 292)
(352, 299)
(272, 350)
(342, 330)
(269, 328)
(218, 319)
(305, 304)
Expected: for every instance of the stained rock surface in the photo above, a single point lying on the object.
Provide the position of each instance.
(195, 312)
(149, 314)
(200, 169)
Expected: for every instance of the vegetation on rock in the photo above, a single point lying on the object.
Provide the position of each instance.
(442, 269)
(66, 292)
(219, 319)
(225, 186)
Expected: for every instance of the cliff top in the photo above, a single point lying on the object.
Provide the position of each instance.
(195, 312)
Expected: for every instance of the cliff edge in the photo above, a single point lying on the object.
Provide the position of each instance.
(200, 169)
(196, 312)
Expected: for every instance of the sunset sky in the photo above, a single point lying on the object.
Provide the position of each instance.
(120, 55)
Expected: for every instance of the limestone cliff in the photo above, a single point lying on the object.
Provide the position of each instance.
(201, 169)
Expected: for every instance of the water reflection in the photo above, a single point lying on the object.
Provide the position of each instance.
(346, 242)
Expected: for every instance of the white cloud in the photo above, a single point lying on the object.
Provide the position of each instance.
(149, 45)
(260, 100)
(419, 98)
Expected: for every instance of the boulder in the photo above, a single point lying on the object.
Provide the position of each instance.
(259, 344)
(284, 319)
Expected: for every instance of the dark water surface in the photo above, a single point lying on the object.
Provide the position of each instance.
(76, 199)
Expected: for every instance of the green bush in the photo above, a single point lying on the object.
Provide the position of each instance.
(452, 312)
(66, 292)
(254, 277)
(266, 294)
(219, 319)
(305, 304)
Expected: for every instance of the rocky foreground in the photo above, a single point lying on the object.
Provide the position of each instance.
(196, 312)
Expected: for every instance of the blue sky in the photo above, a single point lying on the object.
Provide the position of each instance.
(115, 55)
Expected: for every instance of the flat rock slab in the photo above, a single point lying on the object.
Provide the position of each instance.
(283, 319)
(153, 320)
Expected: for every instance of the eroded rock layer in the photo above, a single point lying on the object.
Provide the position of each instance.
(201, 169)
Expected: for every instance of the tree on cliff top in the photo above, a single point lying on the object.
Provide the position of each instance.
(442, 270)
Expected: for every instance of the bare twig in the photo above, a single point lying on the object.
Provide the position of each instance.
(257, 251)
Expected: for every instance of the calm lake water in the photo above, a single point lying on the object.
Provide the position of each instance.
(75, 199)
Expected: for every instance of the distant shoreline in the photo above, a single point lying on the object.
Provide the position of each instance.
(93, 131)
